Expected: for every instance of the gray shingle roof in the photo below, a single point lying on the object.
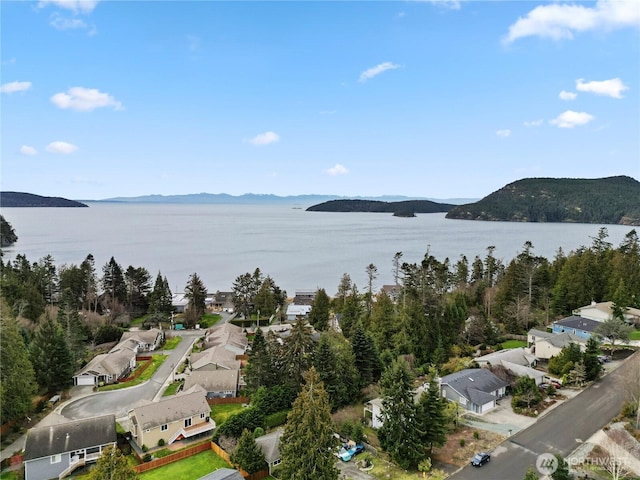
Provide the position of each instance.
(170, 410)
(214, 380)
(475, 384)
(579, 323)
(270, 445)
(223, 474)
(67, 437)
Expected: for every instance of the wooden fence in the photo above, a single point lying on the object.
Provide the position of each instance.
(140, 370)
(174, 457)
(224, 401)
(248, 476)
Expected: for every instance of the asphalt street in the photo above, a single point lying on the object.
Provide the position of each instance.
(561, 431)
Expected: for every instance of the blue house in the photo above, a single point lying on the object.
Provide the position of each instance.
(582, 327)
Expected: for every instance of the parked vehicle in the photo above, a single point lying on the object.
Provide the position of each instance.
(480, 459)
(348, 452)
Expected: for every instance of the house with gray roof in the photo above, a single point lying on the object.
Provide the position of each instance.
(57, 450)
(270, 446)
(229, 336)
(185, 415)
(475, 389)
(580, 326)
(216, 383)
(214, 358)
(223, 474)
(109, 367)
(545, 345)
(147, 340)
(516, 361)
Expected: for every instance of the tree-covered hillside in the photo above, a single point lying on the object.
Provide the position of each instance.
(7, 234)
(374, 206)
(612, 200)
(20, 199)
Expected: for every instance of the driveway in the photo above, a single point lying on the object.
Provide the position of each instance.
(349, 470)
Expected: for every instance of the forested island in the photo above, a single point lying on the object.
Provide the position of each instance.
(21, 199)
(612, 200)
(407, 208)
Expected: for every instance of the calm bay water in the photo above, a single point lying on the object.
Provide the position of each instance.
(300, 250)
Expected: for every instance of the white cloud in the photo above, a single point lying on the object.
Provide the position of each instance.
(504, 133)
(558, 21)
(377, 70)
(61, 147)
(85, 100)
(13, 87)
(570, 119)
(337, 169)
(564, 95)
(76, 6)
(61, 23)
(610, 88)
(27, 150)
(448, 4)
(265, 138)
(533, 123)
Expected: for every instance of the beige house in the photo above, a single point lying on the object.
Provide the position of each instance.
(109, 367)
(214, 358)
(604, 311)
(147, 340)
(545, 345)
(228, 336)
(185, 415)
(216, 383)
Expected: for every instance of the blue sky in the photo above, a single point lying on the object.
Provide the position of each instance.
(435, 99)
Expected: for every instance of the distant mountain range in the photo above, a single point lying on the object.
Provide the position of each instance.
(255, 199)
(20, 199)
(611, 200)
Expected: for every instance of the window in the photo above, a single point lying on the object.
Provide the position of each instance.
(277, 462)
(57, 458)
(202, 415)
(187, 422)
(164, 427)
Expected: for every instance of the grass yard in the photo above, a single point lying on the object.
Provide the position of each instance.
(219, 413)
(209, 320)
(171, 389)
(9, 475)
(635, 335)
(190, 468)
(156, 361)
(172, 343)
(514, 344)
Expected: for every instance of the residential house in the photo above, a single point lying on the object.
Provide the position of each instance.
(222, 301)
(545, 345)
(392, 291)
(109, 367)
(476, 390)
(147, 340)
(304, 297)
(270, 446)
(604, 311)
(295, 312)
(516, 361)
(373, 412)
(179, 302)
(228, 335)
(223, 474)
(216, 383)
(57, 450)
(214, 358)
(580, 326)
(184, 415)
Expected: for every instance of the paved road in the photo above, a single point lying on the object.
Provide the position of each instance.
(121, 401)
(561, 431)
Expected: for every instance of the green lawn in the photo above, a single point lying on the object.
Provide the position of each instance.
(171, 389)
(190, 468)
(635, 335)
(514, 344)
(209, 320)
(11, 475)
(137, 322)
(219, 413)
(156, 361)
(172, 343)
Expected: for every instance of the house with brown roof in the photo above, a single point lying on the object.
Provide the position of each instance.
(185, 415)
(109, 367)
(57, 450)
(229, 336)
(214, 358)
(216, 383)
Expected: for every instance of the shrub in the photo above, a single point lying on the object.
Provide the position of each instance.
(462, 442)
(145, 448)
(276, 419)
(476, 435)
(147, 457)
(258, 432)
(161, 442)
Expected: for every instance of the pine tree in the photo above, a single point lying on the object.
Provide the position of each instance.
(260, 370)
(319, 314)
(74, 331)
(17, 378)
(296, 352)
(590, 358)
(112, 465)
(247, 454)
(308, 435)
(431, 417)
(367, 358)
(113, 282)
(196, 294)
(562, 472)
(50, 355)
(160, 297)
(399, 434)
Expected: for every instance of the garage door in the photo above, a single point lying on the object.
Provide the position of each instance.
(85, 380)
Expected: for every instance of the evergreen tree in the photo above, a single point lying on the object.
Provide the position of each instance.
(260, 369)
(308, 435)
(319, 314)
(90, 282)
(138, 282)
(399, 434)
(247, 454)
(17, 378)
(113, 282)
(112, 465)
(196, 294)
(351, 312)
(160, 298)
(334, 361)
(74, 331)
(367, 358)
(431, 416)
(344, 289)
(590, 358)
(50, 355)
(562, 472)
(383, 324)
(297, 352)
